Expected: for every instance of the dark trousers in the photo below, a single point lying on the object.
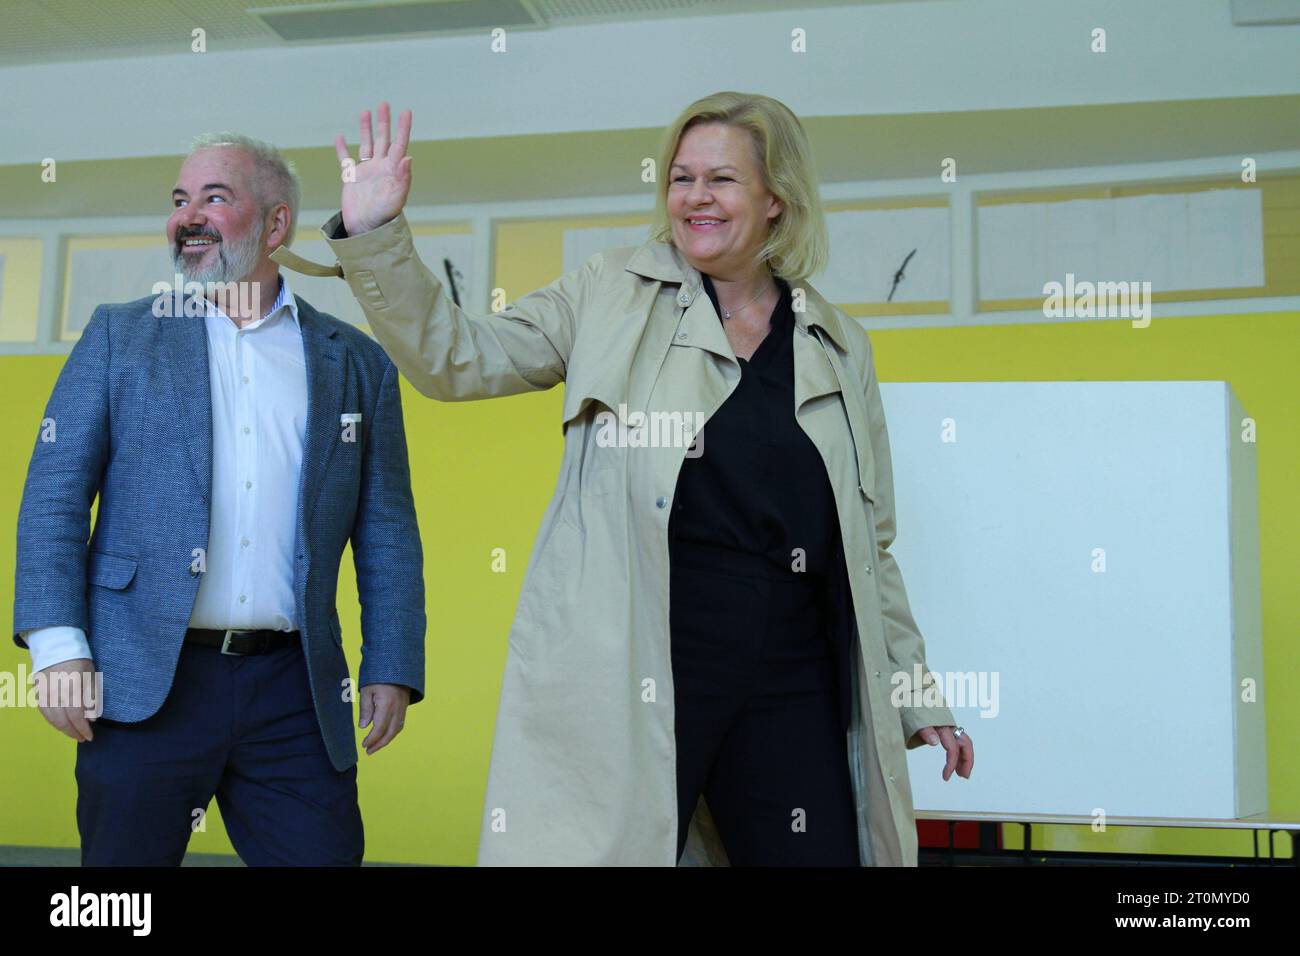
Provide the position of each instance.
(756, 720)
(240, 728)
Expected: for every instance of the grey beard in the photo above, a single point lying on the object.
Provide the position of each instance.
(234, 262)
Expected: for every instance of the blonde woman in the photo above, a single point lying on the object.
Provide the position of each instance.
(699, 668)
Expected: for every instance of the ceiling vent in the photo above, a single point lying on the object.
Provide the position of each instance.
(1265, 13)
(357, 21)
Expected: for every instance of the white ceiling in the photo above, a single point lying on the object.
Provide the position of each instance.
(885, 90)
(38, 31)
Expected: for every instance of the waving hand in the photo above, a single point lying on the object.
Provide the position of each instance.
(376, 185)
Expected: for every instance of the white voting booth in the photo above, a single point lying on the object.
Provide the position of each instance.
(1090, 551)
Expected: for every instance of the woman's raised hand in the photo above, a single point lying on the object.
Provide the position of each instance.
(376, 185)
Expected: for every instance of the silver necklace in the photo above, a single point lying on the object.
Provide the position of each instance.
(728, 313)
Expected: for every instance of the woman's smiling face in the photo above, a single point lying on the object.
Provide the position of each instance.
(717, 202)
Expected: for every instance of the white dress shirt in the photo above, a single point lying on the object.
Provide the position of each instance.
(257, 377)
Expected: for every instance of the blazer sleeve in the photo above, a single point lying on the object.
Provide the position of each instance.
(903, 639)
(63, 478)
(443, 351)
(387, 552)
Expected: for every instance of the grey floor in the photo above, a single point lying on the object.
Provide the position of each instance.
(58, 856)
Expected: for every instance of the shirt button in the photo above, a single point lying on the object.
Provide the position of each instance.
(244, 542)
(243, 598)
(194, 572)
(245, 379)
(868, 569)
(681, 335)
(891, 778)
(245, 429)
(662, 502)
(877, 673)
(248, 484)
(683, 298)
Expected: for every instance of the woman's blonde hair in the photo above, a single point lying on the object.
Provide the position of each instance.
(798, 245)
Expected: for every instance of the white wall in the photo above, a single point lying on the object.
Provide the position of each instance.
(894, 58)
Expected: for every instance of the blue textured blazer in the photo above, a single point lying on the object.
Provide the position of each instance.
(133, 423)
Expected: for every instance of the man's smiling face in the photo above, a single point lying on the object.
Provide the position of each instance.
(215, 230)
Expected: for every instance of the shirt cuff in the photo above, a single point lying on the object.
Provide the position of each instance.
(367, 243)
(54, 645)
(333, 229)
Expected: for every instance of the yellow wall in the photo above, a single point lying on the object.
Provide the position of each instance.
(483, 471)
(21, 289)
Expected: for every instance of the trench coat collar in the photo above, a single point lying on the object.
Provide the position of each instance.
(665, 262)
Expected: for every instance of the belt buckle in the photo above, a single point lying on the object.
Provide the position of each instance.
(225, 644)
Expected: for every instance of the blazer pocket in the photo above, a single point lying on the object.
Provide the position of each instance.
(111, 570)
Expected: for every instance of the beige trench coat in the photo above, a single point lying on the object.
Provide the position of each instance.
(583, 767)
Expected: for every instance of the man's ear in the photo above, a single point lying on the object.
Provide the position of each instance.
(277, 226)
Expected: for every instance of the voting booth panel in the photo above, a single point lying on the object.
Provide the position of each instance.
(1082, 559)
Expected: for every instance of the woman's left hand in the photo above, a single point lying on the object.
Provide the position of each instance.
(961, 751)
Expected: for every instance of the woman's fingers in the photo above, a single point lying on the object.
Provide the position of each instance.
(403, 137)
(367, 136)
(375, 140)
(381, 135)
(374, 194)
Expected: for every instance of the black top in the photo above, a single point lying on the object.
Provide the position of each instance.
(760, 484)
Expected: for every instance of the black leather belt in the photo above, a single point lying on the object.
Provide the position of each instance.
(241, 643)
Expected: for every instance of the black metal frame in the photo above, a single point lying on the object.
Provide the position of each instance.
(990, 854)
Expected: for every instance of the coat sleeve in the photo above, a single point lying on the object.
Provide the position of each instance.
(903, 639)
(442, 350)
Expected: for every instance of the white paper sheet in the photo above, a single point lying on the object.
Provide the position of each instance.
(1176, 241)
(868, 247)
(582, 244)
(112, 275)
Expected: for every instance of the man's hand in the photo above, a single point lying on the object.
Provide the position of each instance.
(386, 703)
(375, 188)
(960, 750)
(68, 716)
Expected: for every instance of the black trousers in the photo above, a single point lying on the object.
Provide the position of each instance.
(242, 729)
(755, 703)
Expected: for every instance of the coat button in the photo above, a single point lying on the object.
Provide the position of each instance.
(868, 569)
(877, 673)
(683, 298)
(662, 502)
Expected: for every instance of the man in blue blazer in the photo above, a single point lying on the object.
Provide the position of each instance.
(237, 440)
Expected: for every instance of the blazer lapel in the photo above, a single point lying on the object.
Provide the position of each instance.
(325, 356)
(185, 342)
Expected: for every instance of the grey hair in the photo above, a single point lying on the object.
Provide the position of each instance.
(276, 179)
